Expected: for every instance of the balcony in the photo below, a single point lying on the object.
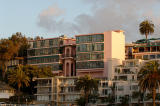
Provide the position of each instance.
(68, 56)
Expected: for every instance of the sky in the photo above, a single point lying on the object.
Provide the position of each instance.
(52, 18)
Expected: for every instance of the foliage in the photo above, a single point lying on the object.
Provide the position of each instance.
(93, 97)
(149, 78)
(135, 94)
(32, 72)
(18, 77)
(124, 100)
(21, 43)
(87, 84)
(81, 101)
(146, 27)
(15, 46)
(7, 51)
(22, 98)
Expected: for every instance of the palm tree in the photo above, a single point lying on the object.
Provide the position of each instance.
(146, 27)
(149, 78)
(88, 85)
(18, 77)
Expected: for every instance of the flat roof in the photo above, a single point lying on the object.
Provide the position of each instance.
(99, 33)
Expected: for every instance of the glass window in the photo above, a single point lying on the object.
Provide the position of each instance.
(158, 55)
(42, 43)
(34, 44)
(90, 65)
(120, 88)
(99, 47)
(97, 56)
(50, 42)
(158, 43)
(98, 38)
(145, 57)
(152, 56)
(105, 91)
(83, 56)
(138, 57)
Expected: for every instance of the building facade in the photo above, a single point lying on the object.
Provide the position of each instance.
(142, 49)
(58, 91)
(6, 91)
(97, 53)
(58, 53)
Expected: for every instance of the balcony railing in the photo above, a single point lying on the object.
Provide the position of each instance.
(69, 55)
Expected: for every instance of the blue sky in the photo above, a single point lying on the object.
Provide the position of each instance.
(21, 15)
(50, 18)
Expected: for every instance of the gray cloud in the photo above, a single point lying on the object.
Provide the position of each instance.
(106, 15)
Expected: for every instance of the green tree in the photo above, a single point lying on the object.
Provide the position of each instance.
(35, 72)
(81, 101)
(124, 100)
(18, 78)
(88, 85)
(11, 48)
(7, 51)
(21, 43)
(149, 78)
(146, 27)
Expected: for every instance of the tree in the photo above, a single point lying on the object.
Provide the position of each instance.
(81, 101)
(21, 43)
(11, 48)
(149, 78)
(124, 100)
(18, 77)
(35, 72)
(87, 84)
(7, 51)
(146, 27)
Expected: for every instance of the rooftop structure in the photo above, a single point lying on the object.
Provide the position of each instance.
(143, 49)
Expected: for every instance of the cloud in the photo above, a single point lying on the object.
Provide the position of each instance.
(106, 15)
(50, 19)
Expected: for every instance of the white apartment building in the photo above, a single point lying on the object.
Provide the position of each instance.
(6, 91)
(58, 91)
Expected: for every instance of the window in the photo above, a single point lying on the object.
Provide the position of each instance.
(42, 43)
(50, 42)
(134, 87)
(90, 64)
(124, 78)
(138, 57)
(158, 55)
(34, 44)
(152, 56)
(98, 38)
(105, 91)
(105, 84)
(83, 56)
(99, 47)
(145, 57)
(90, 38)
(120, 88)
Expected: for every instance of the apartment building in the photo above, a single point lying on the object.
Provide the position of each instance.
(6, 91)
(44, 90)
(64, 92)
(96, 54)
(58, 91)
(142, 49)
(58, 53)
(125, 79)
